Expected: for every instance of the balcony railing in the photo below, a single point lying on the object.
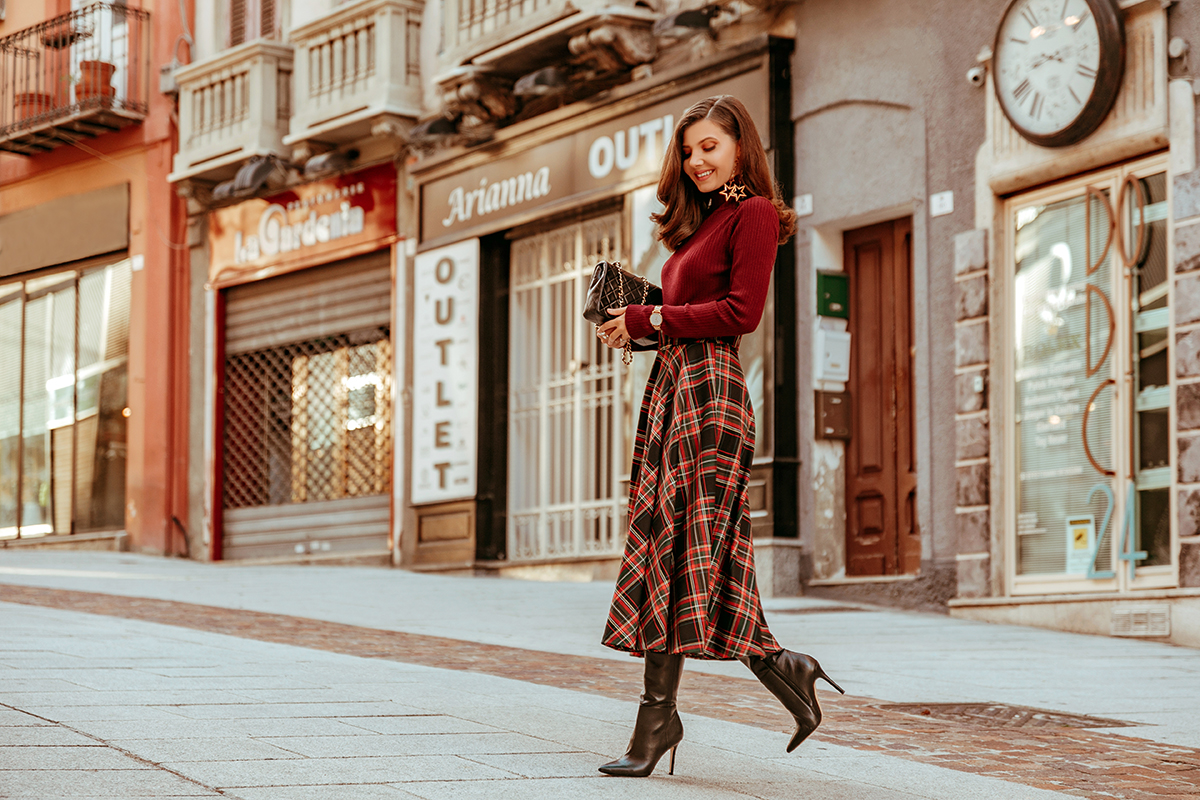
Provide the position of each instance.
(232, 107)
(73, 77)
(479, 18)
(355, 68)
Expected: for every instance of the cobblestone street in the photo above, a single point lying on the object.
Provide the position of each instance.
(135, 692)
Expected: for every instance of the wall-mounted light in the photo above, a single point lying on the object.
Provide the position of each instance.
(251, 177)
(329, 163)
(683, 24)
(433, 130)
(545, 81)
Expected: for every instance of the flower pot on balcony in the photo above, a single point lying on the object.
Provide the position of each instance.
(95, 80)
(31, 104)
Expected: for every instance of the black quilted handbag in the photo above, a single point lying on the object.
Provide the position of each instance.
(613, 287)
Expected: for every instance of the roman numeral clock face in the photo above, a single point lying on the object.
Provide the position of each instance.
(1057, 67)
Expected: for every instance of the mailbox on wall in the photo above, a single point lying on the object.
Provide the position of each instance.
(833, 355)
(833, 294)
(833, 415)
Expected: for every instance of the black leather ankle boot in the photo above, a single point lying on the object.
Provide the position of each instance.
(792, 678)
(658, 727)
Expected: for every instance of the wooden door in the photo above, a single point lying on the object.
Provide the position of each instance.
(882, 536)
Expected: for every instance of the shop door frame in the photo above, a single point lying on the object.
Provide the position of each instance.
(902, 548)
(1005, 507)
(591, 362)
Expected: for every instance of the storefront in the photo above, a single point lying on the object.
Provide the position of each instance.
(64, 355)
(1088, 378)
(1009, 256)
(522, 422)
(301, 418)
(1090, 367)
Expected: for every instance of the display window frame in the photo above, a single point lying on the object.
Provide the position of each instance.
(1121, 452)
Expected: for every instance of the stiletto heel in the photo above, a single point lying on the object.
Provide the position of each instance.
(671, 769)
(821, 674)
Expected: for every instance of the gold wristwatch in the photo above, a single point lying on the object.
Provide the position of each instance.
(656, 317)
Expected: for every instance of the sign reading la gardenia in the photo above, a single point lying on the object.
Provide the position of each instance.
(310, 224)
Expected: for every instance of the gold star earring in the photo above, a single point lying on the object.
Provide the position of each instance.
(733, 190)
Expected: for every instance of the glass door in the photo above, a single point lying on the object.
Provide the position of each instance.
(1089, 363)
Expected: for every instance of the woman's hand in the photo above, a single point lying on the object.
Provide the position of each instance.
(613, 333)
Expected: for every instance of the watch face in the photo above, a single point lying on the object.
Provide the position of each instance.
(1057, 67)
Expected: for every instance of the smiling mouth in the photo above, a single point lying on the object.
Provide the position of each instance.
(706, 173)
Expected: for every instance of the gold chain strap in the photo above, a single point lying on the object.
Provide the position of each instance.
(627, 350)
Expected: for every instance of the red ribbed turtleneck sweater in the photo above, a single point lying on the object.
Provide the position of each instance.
(716, 283)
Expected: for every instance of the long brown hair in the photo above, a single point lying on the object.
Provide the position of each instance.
(684, 203)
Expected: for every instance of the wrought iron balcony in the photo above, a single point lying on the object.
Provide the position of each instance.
(73, 77)
(231, 107)
(357, 72)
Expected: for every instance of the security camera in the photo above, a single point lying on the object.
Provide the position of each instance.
(976, 76)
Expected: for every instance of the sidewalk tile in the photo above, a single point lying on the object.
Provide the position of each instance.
(75, 714)
(312, 771)
(44, 736)
(420, 723)
(294, 710)
(180, 728)
(45, 784)
(599, 788)
(344, 792)
(223, 748)
(54, 756)
(463, 744)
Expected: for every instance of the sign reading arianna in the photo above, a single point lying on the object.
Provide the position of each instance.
(309, 224)
(610, 156)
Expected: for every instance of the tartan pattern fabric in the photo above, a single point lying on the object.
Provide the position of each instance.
(687, 581)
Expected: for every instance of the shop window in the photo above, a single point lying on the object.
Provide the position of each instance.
(64, 344)
(1091, 378)
(309, 422)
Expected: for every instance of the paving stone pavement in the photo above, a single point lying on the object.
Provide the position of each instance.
(109, 694)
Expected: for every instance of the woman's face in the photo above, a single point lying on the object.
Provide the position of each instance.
(709, 155)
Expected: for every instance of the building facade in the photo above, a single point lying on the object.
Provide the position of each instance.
(92, 283)
(292, 140)
(974, 383)
(394, 210)
(540, 158)
(1003, 194)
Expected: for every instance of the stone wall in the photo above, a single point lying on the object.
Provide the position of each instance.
(972, 456)
(1187, 372)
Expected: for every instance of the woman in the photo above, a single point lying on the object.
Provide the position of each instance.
(687, 585)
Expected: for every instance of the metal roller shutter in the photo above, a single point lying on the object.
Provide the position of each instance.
(307, 406)
(310, 304)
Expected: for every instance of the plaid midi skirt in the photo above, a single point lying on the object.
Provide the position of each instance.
(687, 581)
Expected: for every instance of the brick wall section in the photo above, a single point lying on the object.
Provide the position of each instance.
(972, 432)
(1187, 372)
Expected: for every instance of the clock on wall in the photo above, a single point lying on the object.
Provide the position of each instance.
(1057, 67)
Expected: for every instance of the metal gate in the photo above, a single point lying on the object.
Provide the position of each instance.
(308, 413)
(565, 438)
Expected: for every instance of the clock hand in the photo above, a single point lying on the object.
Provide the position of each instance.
(1055, 56)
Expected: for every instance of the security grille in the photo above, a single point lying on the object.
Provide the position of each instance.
(565, 401)
(308, 412)
(308, 422)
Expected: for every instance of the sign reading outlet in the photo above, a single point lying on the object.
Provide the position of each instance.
(445, 373)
